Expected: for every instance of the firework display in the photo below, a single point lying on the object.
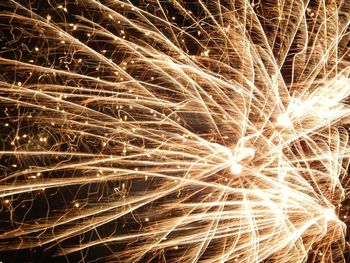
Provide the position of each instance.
(174, 131)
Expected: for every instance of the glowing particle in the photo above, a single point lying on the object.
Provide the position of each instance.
(236, 168)
(329, 214)
(284, 120)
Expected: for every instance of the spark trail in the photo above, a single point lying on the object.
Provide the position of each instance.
(153, 131)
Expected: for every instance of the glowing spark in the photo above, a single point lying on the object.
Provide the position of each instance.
(175, 131)
(284, 120)
(236, 168)
(330, 215)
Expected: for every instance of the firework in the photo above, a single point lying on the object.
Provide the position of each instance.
(150, 131)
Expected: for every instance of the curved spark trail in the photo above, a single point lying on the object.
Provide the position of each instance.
(174, 131)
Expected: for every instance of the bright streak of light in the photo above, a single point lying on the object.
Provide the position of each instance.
(175, 131)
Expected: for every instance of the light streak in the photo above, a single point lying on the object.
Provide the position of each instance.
(175, 132)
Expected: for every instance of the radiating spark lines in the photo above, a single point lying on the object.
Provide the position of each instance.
(175, 131)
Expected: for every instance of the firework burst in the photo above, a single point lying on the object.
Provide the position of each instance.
(151, 131)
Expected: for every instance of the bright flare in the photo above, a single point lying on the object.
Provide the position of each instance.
(174, 131)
